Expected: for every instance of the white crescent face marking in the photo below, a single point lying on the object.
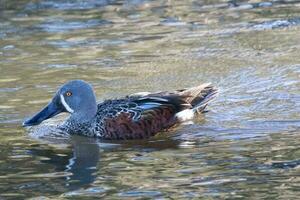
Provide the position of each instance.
(69, 109)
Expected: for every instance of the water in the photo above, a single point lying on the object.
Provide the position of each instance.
(247, 146)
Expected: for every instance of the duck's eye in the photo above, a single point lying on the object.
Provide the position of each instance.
(68, 94)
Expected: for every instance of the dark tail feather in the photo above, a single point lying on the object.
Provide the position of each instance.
(199, 96)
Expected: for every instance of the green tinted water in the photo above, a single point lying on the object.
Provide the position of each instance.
(247, 146)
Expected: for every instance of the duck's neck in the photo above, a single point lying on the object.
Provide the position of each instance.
(83, 117)
(86, 113)
(80, 121)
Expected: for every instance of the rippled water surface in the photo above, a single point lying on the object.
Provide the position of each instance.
(247, 146)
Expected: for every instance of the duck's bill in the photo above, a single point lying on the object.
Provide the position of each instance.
(49, 111)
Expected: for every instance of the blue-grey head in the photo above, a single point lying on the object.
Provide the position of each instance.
(75, 97)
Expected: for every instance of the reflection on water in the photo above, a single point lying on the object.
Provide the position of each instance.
(78, 165)
(247, 146)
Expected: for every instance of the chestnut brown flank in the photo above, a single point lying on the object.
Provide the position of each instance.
(150, 123)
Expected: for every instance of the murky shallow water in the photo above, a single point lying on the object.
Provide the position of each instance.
(247, 146)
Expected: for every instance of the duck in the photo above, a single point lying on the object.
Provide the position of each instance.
(136, 116)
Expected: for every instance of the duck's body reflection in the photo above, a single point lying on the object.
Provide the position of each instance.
(83, 163)
(81, 158)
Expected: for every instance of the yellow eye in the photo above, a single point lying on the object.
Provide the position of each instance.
(69, 94)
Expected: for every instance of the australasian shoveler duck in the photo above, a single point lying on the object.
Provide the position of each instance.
(136, 116)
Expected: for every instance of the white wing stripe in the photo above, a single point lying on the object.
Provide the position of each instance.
(154, 98)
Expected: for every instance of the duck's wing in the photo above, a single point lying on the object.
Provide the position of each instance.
(143, 115)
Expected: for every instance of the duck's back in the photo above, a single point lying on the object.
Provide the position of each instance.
(141, 116)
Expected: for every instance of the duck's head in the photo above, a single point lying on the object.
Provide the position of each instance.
(75, 97)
